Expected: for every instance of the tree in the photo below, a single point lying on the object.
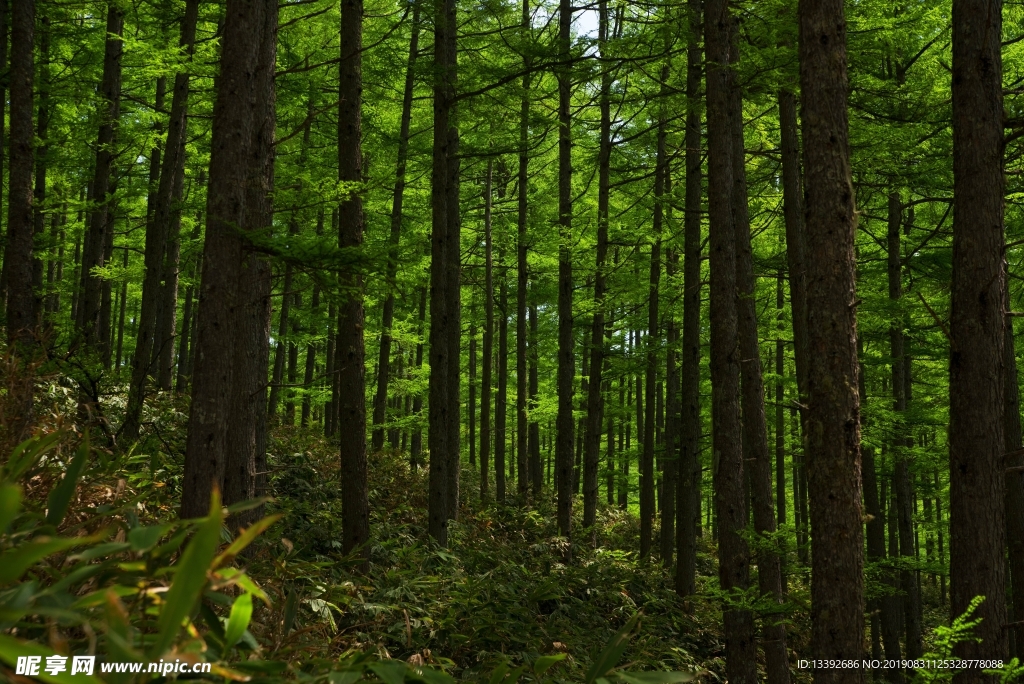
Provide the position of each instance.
(976, 363)
(730, 499)
(833, 414)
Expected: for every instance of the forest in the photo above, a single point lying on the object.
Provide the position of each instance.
(615, 341)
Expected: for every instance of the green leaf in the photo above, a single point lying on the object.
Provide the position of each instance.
(11, 649)
(14, 563)
(245, 539)
(26, 454)
(10, 504)
(189, 579)
(391, 671)
(613, 650)
(344, 677)
(144, 538)
(655, 677)
(238, 621)
(498, 674)
(60, 497)
(544, 663)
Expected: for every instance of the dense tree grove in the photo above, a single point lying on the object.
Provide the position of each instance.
(725, 288)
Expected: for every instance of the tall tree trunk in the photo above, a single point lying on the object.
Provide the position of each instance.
(394, 239)
(671, 467)
(245, 84)
(444, 424)
(833, 414)
(595, 402)
(755, 428)
(355, 510)
(5, 23)
(416, 442)
(647, 502)
(101, 217)
(310, 370)
(730, 500)
(488, 345)
(21, 304)
(42, 152)
(536, 467)
(1014, 491)
(780, 417)
(566, 357)
(523, 276)
(901, 475)
(501, 397)
(245, 461)
(472, 385)
(690, 419)
(977, 339)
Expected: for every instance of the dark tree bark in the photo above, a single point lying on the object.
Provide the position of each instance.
(977, 355)
(41, 160)
(472, 386)
(355, 506)
(1014, 492)
(394, 239)
(21, 304)
(595, 401)
(566, 358)
(647, 502)
(240, 119)
(901, 444)
(780, 417)
(101, 217)
(833, 415)
(416, 442)
(690, 419)
(670, 447)
(501, 396)
(523, 277)
(536, 467)
(5, 23)
(755, 427)
(310, 370)
(488, 345)
(443, 423)
(245, 463)
(730, 500)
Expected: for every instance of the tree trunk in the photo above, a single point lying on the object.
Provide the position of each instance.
(595, 401)
(647, 502)
(730, 501)
(755, 427)
(901, 483)
(501, 397)
(690, 419)
(101, 217)
(833, 414)
(310, 371)
(566, 357)
(355, 511)
(416, 442)
(977, 339)
(488, 344)
(472, 386)
(670, 467)
(245, 85)
(39, 193)
(21, 304)
(394, 239)
(5, 24)
(444, 425)
(245, 461)
(523, 276)
(536, 468)
(1014, 491)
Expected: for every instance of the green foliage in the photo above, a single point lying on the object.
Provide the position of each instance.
(142, 593)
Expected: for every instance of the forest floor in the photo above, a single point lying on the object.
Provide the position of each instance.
(500, 592)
